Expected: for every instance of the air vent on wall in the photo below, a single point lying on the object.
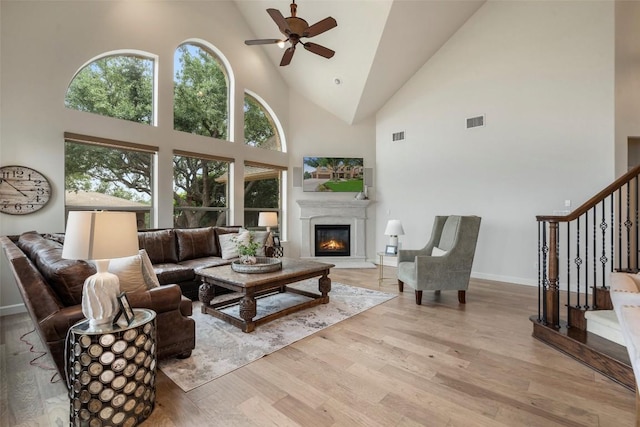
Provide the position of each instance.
(474, 122)
(397, 136)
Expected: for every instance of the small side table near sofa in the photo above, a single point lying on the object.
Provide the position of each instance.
(112, 371)
(381, 266)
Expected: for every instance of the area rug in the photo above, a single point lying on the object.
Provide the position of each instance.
(222, 348)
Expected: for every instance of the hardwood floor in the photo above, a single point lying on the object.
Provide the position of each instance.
(397, 364)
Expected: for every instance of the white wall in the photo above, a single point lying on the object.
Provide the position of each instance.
(44, 43)
(319, 133)
(543, 73)
(627, 81)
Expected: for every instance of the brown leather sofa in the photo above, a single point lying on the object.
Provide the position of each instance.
(51, 286)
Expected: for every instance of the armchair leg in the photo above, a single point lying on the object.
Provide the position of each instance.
(462, 297)
(400, 285)
(418, 297)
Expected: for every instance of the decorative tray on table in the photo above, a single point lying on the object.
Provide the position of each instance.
(262, 265)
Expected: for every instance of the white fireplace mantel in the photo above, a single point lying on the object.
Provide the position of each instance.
(352, 212)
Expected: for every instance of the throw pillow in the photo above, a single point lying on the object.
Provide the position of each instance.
(149, 274)
(229, 242)
(438, 252)
(263, 239)
(133, 274)
(129, 272)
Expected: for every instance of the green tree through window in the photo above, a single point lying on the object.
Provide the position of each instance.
(201, 101)
(199, 196)
(259, 127)
(114, 86)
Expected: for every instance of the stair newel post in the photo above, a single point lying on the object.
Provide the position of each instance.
(552, 293)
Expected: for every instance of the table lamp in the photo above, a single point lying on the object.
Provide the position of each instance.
(393, 230)
(100, 236)
(268, 219)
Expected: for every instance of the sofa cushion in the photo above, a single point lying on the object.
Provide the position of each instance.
(169, 273)
(160, 245)
(195, 242)
(65, 276)
(210, 261)
(29, 242)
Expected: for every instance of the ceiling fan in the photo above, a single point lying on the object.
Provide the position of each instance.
(294, 29)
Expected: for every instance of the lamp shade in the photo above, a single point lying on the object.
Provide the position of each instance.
(94, 235)
(394, 228)
(268, 219)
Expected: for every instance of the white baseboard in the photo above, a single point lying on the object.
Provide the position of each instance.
(8, 310)
(508, 279)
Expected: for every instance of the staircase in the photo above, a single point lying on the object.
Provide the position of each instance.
(604, 323)
(576, 255)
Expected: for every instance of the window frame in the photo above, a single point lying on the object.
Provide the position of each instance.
(205, 157)
(121, 146)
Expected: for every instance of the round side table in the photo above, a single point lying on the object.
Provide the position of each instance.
(111, 372)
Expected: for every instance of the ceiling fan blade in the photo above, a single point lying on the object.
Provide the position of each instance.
(261, 41)
(279, 20)
(288, 54)
(320, 27)
(319, 50)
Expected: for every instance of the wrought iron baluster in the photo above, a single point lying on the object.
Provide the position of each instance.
(619, 230)
(586, 263)
(545, 275)
(611, 246)
(568, 224)
(595, 256)
(628, 224)
(578, 261)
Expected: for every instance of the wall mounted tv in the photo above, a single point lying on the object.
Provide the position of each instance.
(333, 174)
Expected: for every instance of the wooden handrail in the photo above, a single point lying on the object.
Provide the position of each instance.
(610, 189)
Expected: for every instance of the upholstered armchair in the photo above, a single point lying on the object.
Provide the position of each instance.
(445, 262)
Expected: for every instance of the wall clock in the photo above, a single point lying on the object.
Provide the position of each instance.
(22, 190)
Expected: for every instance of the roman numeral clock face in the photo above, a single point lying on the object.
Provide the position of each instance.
(22, 190)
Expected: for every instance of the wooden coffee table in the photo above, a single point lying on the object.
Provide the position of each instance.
(251, 286)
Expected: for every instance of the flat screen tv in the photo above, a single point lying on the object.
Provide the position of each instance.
(333, 174)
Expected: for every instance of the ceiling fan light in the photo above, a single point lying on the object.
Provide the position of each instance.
(281, 44)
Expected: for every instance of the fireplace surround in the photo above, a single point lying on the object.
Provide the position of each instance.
(349, 212)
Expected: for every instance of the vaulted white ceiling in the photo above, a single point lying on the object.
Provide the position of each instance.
(379, 45)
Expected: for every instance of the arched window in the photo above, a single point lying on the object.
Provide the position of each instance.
(119, 86)
(201, 92)
(259, 125)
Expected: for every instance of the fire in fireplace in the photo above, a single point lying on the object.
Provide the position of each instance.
(333, 240)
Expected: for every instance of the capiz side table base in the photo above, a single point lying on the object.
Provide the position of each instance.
(111, 372)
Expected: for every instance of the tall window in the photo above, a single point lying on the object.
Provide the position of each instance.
(115, 86)
(200, 190)
(108, 175)
(201, 93)
(262, 186)
(259, 126)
